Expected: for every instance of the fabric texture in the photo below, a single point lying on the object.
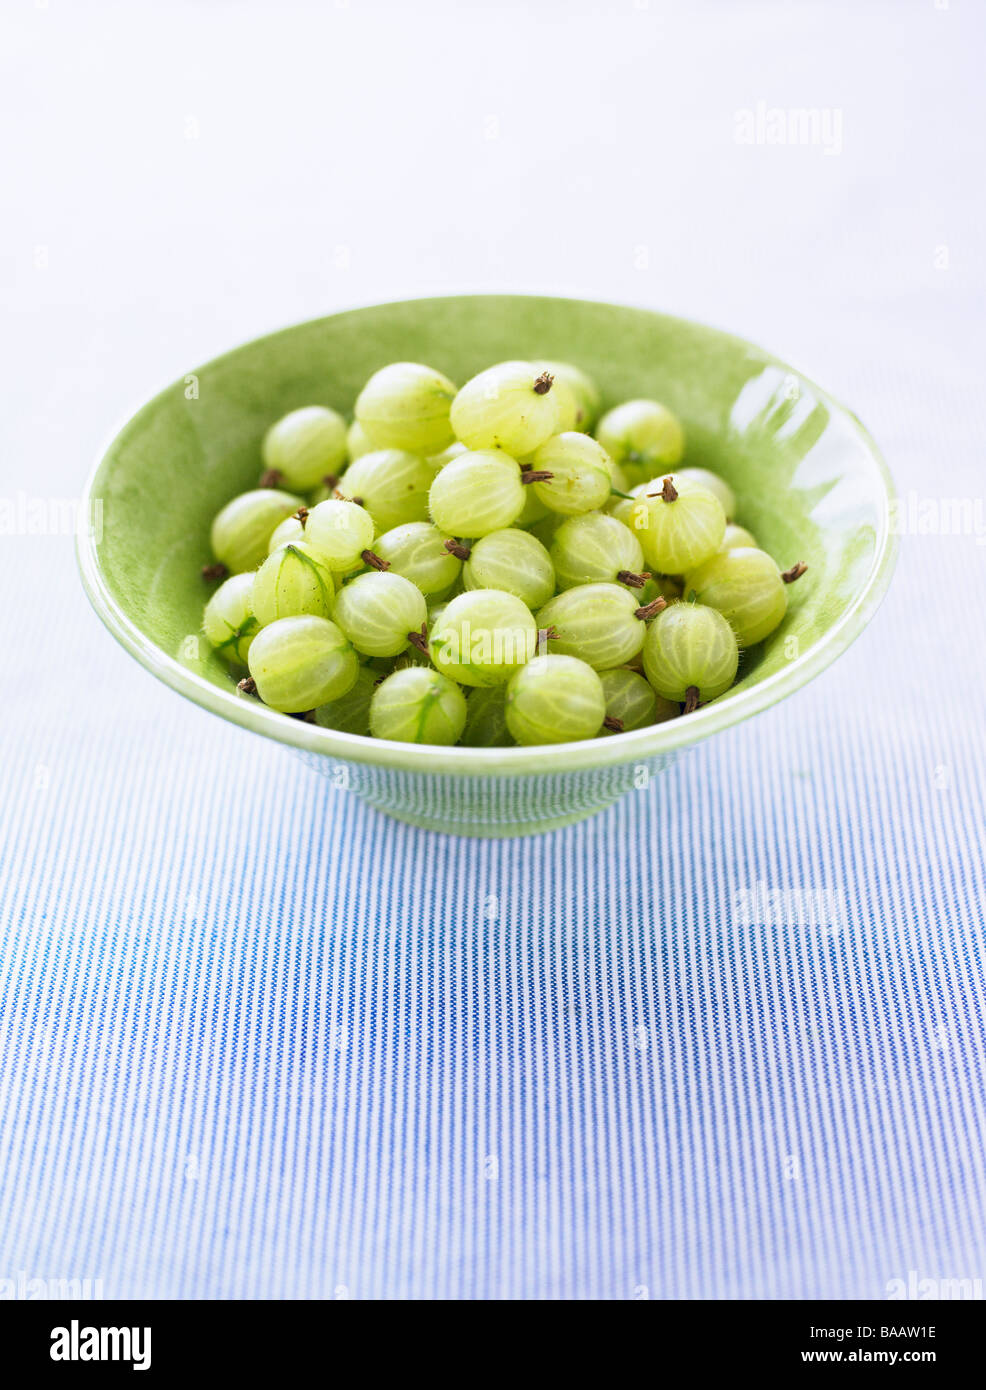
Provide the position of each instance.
(726, 1039)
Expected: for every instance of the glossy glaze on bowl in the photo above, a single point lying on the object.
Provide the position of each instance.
(811, 485)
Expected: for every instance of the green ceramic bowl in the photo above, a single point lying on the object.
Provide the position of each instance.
(811, 483)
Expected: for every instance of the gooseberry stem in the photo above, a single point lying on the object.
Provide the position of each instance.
(691, 699)
(535, 475)
(633, 580)
(611, 722)
(301, 515)
(795, 572)
(545, 635)
(331, 481)
(543, 384)
(248, 685)
(627, 496)
(374, 561)
(214, 571)
(669, 493)
(419, 639)
(456, 548)
(271, 477)
(651, 610)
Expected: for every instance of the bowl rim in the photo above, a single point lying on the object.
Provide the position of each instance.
(635, 746)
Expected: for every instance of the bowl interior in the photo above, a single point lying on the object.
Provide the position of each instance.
(810, 483)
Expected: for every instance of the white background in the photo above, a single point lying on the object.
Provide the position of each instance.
(180, 177)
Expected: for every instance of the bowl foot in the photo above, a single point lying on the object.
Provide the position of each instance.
(492, 831)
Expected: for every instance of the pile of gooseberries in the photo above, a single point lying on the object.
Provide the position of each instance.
(493, 565)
